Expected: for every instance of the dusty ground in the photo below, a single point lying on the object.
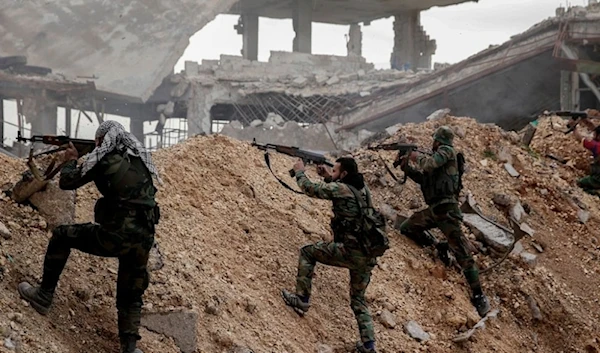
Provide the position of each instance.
(230, 236)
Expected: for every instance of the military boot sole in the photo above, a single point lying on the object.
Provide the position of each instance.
(284, 295)
(40, 308)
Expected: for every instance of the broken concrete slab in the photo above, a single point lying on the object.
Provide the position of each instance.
(438, 114)
(333, 80)
(517, 212)
(529, 258)
(414, 330)
(527, 229)
(583, 216)
(180, 325)
(511, 170)
(489, 233)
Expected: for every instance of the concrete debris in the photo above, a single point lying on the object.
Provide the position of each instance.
(179, 90)
(364, 94)
(300, 81)
(504, 155)
(535, 309)
(323, 348)
(511, 170)
(236, 125)
(527, 229)
(518, 249)
(155, 260)
(8, 343)
(333, 80)
(583, 216)
(438, 114)
(256, 123)
(273, 120)
(537, 247)
(463, 337)
(414, 330)
(387, 319)
(180, 325)
(4, 231)
(529, 259)
(459, 131)
(488, 233)
(502, 200)
(169, 109)
(321, 79)
(517, 212)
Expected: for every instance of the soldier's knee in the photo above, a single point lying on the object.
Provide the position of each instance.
(307, 251)
(59, 234)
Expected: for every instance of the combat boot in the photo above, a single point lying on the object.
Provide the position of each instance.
(128, 344)
(360, 348)
(443, 250)
(39, 299)
(295, 302)
(481, 303)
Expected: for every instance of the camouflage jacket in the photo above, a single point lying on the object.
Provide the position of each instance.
(345, 208)
(438, 176)
(123, 180)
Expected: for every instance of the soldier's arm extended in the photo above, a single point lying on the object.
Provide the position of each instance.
(438, 159)
(319, 190)
(71, 178)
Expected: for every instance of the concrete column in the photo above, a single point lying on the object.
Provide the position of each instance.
(250, 36)
(41, 114)
(68, 121)
(302, 21)
(199, 120)
(136, 127)
(566, 95)
(354, 44)
(405, 54)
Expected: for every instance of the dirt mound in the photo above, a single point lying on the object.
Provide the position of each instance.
(230, 236)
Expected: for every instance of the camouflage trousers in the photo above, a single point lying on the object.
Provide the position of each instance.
(446, 217)
(130, 242)
(360, 266)
(590, 184)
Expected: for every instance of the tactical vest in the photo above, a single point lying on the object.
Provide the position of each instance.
(442, 184)
(127, 181)
(345, 219)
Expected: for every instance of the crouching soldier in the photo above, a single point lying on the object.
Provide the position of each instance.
(590, 183)
(440, 182)
(125, 218)
(342, 186)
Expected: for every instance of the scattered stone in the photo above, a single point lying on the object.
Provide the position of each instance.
(544, 192)
(8, 343)
(537, 247)
(333, 80)
(483, 162)
(387, 319)
(414, 330)
(273, 120)
(4, 232)
(505, 156)
(180, 325)
(389, 306)
(517, 212)
(250, 306)
(365, 93)
(256, 123)
(438, 114)
(535, 309)
(488, 233)
(518, 249)
(155, 259)
(460, 131)
(211, 309)
(511, 170)
(501, 200)
(529, 258)
(437, 317)
(527, 229)
(323, 348)
(583, 216)
(321, 79)
(16, 317)
(388, 212)
(300, 81)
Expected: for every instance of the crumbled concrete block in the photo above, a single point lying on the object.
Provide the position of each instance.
(438, 114)
(180, 325)
(321, 79)
(333, 80)
(300, 81)
(511, 170)
(191, 68)
(414, 330)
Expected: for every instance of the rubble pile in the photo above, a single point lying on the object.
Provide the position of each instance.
(228, 243)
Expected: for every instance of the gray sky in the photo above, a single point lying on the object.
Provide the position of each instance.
(460, 31)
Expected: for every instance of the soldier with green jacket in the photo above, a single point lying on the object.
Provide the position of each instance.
(125, 218)
(345, 249)
(440, 183)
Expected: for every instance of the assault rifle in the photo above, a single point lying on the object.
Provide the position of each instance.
(576, 117)
(307, 157)
(83, 147)
(404, 150)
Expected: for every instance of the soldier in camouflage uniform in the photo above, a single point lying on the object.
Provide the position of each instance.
(345, 250)
(439, 181)
(125, 218)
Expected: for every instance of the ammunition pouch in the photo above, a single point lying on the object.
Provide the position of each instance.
(101, 211)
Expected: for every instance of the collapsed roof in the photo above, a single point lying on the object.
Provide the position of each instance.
(125, 48)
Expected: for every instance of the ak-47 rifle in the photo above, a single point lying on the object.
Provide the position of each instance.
(307, 157)
(83, 147)
(576, 117)
(404, 150)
